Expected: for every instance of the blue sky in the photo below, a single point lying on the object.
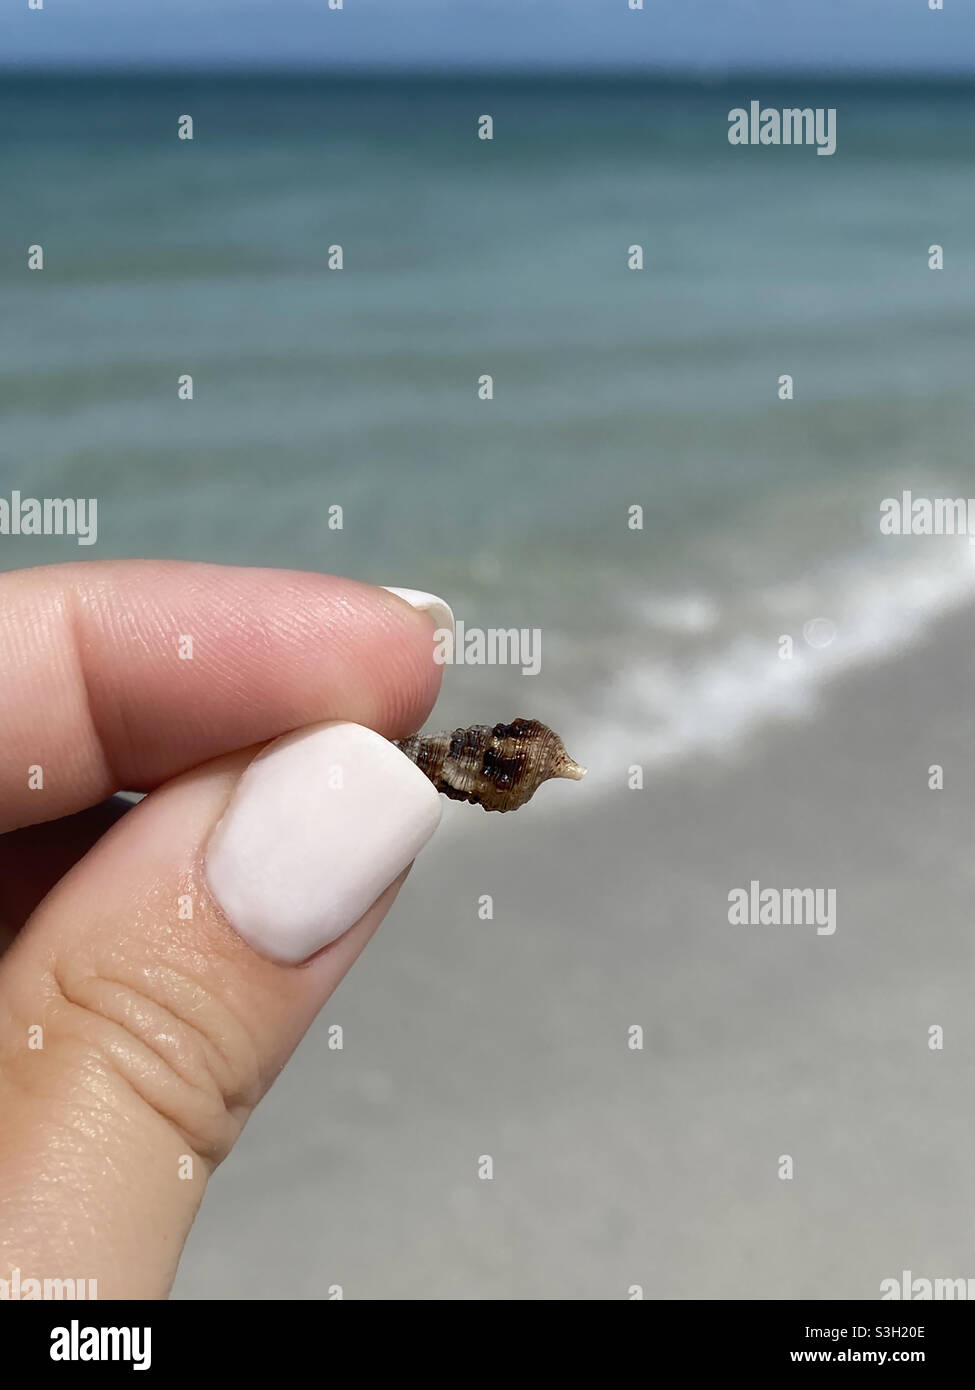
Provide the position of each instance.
(687, 34)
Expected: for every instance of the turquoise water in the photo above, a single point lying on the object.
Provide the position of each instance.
(612, 387)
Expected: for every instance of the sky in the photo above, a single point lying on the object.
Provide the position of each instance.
(714, 35)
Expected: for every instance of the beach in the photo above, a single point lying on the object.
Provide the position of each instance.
(659, 1168)
(781, 672)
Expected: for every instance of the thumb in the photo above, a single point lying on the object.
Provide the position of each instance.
(159, 989)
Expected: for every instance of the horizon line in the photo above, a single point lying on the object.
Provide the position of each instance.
(415, 72)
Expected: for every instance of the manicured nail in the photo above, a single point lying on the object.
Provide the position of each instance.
(318, 826)
(439, 611)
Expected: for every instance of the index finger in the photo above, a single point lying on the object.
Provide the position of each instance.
(121, 674)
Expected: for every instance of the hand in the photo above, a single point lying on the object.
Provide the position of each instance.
(138, 1028)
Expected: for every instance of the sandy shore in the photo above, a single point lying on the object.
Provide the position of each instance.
(659, 1167)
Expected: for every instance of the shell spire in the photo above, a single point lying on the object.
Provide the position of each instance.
(499, 768)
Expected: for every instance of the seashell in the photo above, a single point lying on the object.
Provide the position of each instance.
(499, 769)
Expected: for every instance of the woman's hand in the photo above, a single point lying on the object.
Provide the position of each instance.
(151, 990)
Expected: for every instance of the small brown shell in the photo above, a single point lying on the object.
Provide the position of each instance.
(499, 769)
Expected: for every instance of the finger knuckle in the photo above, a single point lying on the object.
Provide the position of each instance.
(161, 1034)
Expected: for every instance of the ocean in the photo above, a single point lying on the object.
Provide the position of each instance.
(613, 387)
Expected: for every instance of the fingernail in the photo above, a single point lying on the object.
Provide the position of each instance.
(318, 826)
(439, 611)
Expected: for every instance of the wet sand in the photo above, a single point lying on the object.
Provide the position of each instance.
(615, 1167)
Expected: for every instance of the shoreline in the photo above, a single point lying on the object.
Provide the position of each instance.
(659, 1167)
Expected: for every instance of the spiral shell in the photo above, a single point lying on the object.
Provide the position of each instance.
(499, 769)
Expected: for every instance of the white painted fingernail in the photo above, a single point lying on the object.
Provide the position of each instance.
(439, 611)
(318, 826)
